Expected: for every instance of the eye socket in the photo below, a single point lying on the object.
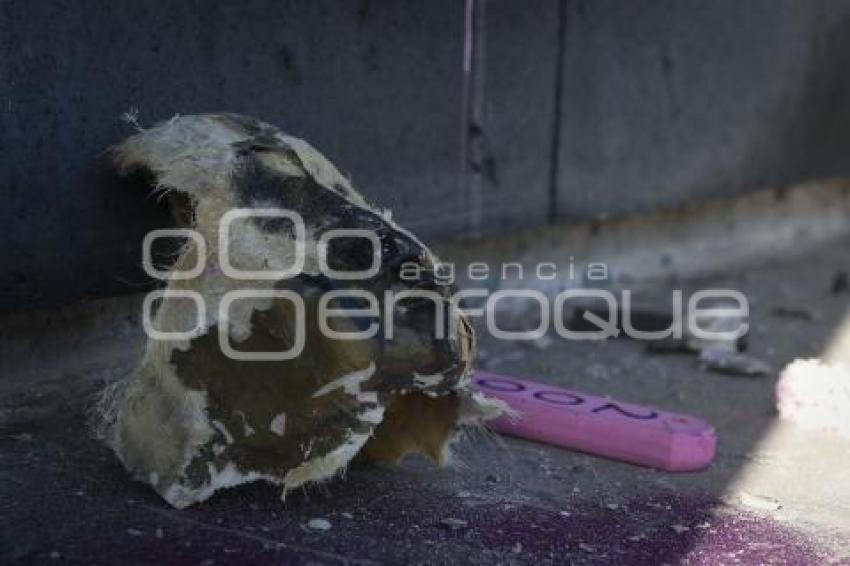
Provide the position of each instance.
(350, 254)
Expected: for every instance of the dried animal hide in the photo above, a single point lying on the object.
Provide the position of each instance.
(191, 420)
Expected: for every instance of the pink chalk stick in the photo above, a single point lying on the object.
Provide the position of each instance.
(599, 426)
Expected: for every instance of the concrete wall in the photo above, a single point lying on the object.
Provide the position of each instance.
(665, 102)
(569, 109)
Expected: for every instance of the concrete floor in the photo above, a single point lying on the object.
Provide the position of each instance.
(774, 494)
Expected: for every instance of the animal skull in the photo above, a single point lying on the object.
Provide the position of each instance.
(192, 419)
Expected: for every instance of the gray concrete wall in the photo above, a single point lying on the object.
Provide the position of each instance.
(666, 102)
(571, 109)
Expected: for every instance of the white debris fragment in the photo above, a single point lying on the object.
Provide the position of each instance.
(759, 502)
(679, 529)
(424, 381)
(350, 382)
(219, 426)
(319, 524)
(815, 395)
(247, 429)
(722, 360)
(278, 424)
(373, 416)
